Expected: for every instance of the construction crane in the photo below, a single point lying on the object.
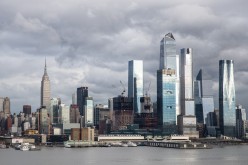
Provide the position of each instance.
(124, 89)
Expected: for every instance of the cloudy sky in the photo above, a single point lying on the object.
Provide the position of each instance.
(89, 43)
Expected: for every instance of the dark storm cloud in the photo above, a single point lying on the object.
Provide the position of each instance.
(90, 43)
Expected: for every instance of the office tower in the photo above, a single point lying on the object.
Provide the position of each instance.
(45, 89)
(74, 114)
(146, 104)
(43, 121)
(89, 111)
(187, 126)
(82, 93)
(227, 101)
(186, 84)
(168, 85)
(122, 112)
(166, 100)
(1, 103)
(101, 112)
(6, 106)
(64, 114)
(27, 109)
(204, 100)
(74, 99)
(135, 83)
(54, 109)
(240, 122)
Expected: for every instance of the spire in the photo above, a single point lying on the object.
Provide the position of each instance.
(45, 69)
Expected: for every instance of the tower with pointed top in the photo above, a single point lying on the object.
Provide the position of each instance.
(45, 89)
(168, 86)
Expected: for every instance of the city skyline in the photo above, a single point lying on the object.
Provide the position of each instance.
(67, 39)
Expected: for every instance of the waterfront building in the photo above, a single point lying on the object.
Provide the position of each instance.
(227, 103)
(187, 126)
(27, 109)
(82, 93)
(101, 112)
(186, 82)
(240, 122)
(122, 112)
(74, 114)
(166, 101)
(89, 111)
(45, 89)
(84, 134)
(168, 86)
(135, 83)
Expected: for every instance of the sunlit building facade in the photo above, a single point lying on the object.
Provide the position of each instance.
(135, 83)
(227, 103)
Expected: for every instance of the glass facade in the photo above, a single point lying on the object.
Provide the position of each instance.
(166, 100)
(89, 111)
(186, 84)
(135, 83)
(167, 49)
(64, 114)
(227, 98)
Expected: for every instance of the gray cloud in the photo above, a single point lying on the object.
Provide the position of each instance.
(90, 43)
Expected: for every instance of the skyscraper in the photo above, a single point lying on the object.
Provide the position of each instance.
(204, 100)
(82, 93)
(27, 109)
(6, 106)
(168, 85)
(227, 98)
(135, 83)
(186, 84)
(45, 89)
(89, 111)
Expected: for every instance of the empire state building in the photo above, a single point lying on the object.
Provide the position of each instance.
(45, 89)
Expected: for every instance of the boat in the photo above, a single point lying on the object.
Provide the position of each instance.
(24, 147)
(124, 145)
(67, 145)
(131, 144)
(3, 146)
(17, 146)
(116, 144)
(32, 147)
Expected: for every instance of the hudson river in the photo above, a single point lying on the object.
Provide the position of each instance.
(228, 155)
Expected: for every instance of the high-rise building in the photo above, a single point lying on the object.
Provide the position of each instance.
(186, 84)
(82, 93)
(168, 85)
(166, 101)
(135, 83)
(74, 114)
(6, 106)
(43, 121)
(54, 110)
(45, 89)
(204, 100)
(227, 103)
(240, 122)
(64, 114)
(89, 111)
(27, 109)
(1, 103)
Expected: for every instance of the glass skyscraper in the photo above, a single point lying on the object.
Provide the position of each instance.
(204, 101)
(82, 93)
(168, 85)
(186, 84)
(135, 83)
(227, 98)
(166, 101)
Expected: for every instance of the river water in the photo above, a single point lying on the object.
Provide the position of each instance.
(228, 155)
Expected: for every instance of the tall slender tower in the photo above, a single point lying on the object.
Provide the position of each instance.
(227, 102)
(135, 83)
(186, 84)
(168, 85)
(45, 89)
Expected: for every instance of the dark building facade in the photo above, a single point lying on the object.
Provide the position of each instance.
(27, 109)
(82, 93)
